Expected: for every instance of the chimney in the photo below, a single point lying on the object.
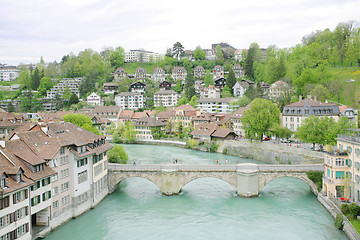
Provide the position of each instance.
(309, 96)
(314, 98)
(300, 97)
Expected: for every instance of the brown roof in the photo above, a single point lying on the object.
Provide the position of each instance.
(343, 108)
(149, 122)
(138, 115)
(222, 132)
(102, 109)
(126, 114)
(204, 129)
(312, 103)
(164, 115)
(240, 111)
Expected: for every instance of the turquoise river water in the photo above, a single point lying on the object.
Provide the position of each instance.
(206, 208)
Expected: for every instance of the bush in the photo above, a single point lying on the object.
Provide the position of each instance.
(339, 221)
(213, 147)
(192, 143)
(118, 155)
(345, 208)
(316, 177)
(353, 210)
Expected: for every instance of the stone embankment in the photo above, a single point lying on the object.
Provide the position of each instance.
(270, 152)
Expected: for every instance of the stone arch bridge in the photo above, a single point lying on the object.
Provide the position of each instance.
(248, 179)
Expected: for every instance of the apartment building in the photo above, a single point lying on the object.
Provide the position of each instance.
(119, 74)
(179, 73)
(8, 73)
(294, 114)
(279, 89)
(72, 84)
(140, 73)
(140, 55)
(213, 105)
(210, 92)
(166, 98)
(342, 167)
(145, 126)
(93, 99)
(158, 74)
(238, 71)
(199, 72)
(129, 100)
(218, 72)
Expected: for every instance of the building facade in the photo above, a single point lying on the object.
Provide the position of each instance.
(129, 100)
(166, 98)
(8, 73)
(158, 74)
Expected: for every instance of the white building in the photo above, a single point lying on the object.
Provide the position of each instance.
(141, 56)
(239, 88)
(8, 73)
(210, 92)
(93, 99)
(72, 84)
(158, 74)
(166, 98)
(129, 100)
(212, 105)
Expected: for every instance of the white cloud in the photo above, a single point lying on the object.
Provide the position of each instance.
(34, 28)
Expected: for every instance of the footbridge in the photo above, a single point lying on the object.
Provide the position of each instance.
(248, 179)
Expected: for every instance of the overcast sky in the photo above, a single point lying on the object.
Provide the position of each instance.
(30, 29)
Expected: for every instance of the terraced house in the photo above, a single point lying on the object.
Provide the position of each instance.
(62, 170)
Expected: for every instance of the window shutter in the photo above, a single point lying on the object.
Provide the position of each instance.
(14, 198)
(7, 199)
(1, 204)
(27, 227)
(12, 217)
(15, 216)
(27, 210)
(26, 194)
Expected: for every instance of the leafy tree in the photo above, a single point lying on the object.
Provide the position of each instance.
(45, 85)
(219, 55)
(208, 80)
(73, 99)
(260, 118)
(10, 107)
(36, 77)
(178, 50)
(24, 77)
(179, 86)
(183, 100)
(322, 130)
(199, 54)
(129, 133)
(253, 92)
(117, 57)
(240, 102)
(231, 80)
(118, 155)
(190, 85)
(81, 121)
(320, 92)
(281, 132)
(226, 92)
(194, 101)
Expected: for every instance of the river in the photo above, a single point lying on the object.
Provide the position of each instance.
(207, 208)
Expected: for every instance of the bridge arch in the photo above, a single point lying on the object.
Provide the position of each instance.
(264, 179)
(193, 178)
(116, 179)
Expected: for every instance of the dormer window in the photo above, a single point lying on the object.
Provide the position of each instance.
(2, 183)
(18, 177)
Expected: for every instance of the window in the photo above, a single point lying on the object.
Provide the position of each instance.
(82, 162)
(46, 195)
(62, 150)
(64, 186)
(65, 200)
(349, 149)
(55, 191)
(54, 177)
(20, 196)
(18, 178)
(64, 173)
(339, 162)
(53, 163)
(82, 176)
(35, 186)
(2, 183)
(340, 175)
(56, 204)
(35, 200)
(64, 160)
(98, 169)
(45, 181)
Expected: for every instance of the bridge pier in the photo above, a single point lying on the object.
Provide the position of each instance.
(248, 180)
(170, 182)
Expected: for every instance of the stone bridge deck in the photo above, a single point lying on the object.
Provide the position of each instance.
(248, 179)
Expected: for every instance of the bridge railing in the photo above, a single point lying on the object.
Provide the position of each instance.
(201, 167)
(300, 167)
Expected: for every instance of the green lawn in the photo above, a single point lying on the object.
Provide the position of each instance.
(356, 224)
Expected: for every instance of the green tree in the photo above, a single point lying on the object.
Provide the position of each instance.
(81, 121)
(240, 102)
(118, 155)
(208, 80)
(219, 55)
(281, 132)
(179, 86)
(253, 92)
(36, 77)
(73, 99)
(129, 133)
(45, 85)
(189, 85)
(182, 101)
(117, 57)
(226, 92)
(231, 79)
(178, 50)
(193, 101)
(260, 118)
(199, 54)
(10, 107)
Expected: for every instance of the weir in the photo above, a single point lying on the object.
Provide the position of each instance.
(247, 178)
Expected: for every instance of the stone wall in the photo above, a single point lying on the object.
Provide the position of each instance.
(271, 153)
